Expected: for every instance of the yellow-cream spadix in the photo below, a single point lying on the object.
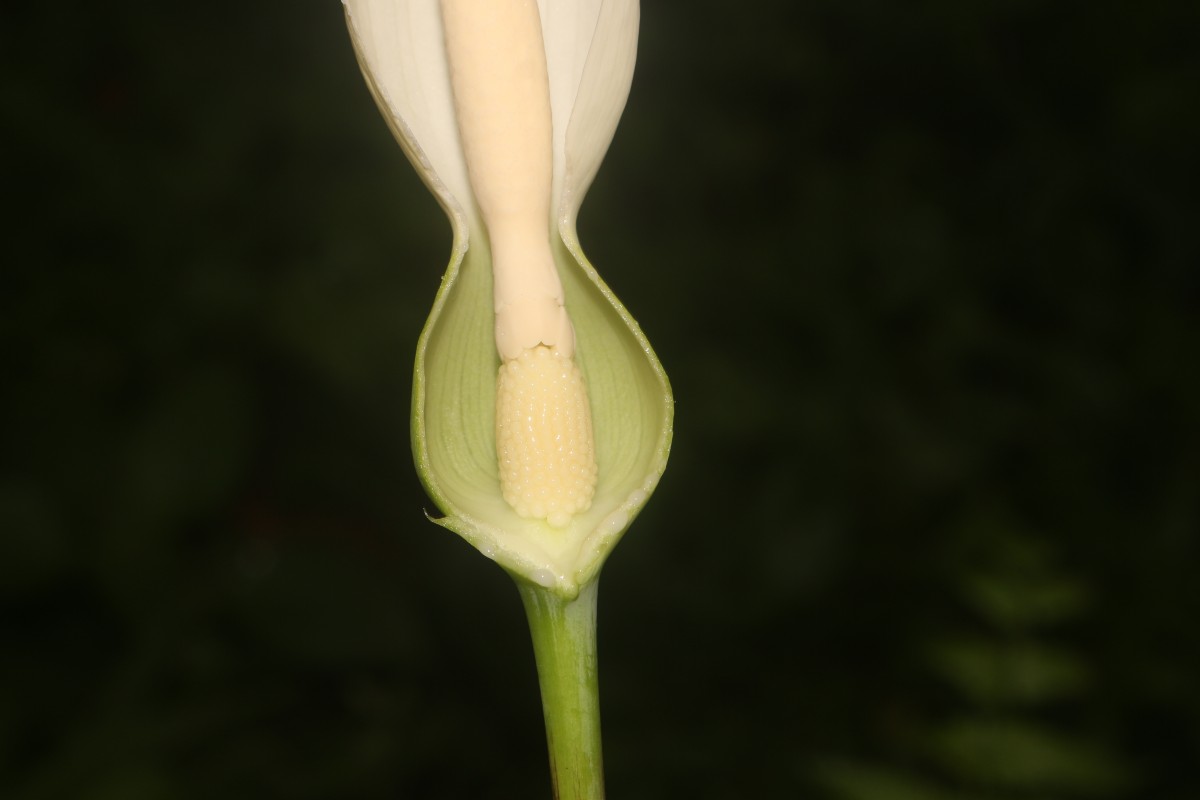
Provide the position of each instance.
(544, 442)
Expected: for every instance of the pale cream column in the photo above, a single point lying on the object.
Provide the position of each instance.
(544, 441)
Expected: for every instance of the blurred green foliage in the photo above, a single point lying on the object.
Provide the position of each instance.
(923, 276)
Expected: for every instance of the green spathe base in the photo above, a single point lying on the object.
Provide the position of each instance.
(454, 421)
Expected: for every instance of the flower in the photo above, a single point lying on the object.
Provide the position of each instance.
(589, 55)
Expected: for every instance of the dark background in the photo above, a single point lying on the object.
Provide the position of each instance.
(922, 275)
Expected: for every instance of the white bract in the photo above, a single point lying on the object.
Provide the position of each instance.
(506, 108)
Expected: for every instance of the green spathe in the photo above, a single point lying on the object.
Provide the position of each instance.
(453, 429)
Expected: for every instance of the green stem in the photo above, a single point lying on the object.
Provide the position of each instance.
(564, 644)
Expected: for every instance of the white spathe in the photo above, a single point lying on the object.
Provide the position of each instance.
(590, 50)
(591, 46)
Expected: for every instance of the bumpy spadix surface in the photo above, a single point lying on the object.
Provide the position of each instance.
(544, 437)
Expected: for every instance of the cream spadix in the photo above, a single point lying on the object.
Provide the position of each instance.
(502, 98)
(406, 49)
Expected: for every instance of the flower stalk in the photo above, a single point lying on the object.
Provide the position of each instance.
(564, 646)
